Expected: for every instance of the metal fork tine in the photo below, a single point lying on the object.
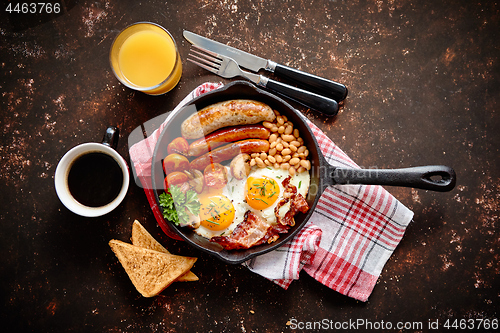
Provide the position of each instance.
(215, 62)
(208, 68)
(214, 57)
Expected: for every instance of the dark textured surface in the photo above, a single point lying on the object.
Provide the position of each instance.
(423, 89)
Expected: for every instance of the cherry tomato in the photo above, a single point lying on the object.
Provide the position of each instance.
(175, 162)
(178, 145)
(175, 178)
(215, 175)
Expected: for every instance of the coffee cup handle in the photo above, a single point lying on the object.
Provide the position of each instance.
(111, 137)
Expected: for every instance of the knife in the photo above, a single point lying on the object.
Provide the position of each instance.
(254, 63)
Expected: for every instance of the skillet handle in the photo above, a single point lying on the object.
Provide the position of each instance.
(432, 177)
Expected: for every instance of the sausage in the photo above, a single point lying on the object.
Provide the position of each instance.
(224, 114)
(228, 134)
(229, 151)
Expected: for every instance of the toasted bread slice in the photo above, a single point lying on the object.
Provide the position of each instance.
(141, 237)
(150, 271)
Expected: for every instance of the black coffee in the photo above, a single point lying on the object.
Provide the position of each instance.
(95, 179)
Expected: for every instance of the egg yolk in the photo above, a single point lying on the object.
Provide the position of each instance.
(216, 212)
(261, 192)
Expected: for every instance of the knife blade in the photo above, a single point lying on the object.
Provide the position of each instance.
(317, 84)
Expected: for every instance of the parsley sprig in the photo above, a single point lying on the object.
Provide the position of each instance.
(176, 205)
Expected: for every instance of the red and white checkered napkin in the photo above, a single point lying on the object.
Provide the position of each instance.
(350, 236)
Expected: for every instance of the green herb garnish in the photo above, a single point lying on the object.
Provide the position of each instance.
(260, 200)
(176, 205)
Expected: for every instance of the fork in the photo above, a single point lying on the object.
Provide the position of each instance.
(227, 67)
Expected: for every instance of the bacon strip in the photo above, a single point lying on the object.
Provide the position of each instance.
(297, 203)
(248, 233)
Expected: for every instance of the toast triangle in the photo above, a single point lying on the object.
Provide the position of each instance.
(150, 271)
(142, 238)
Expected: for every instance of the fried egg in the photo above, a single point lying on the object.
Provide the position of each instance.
(223, 209)
(263, 190)
(217, 213)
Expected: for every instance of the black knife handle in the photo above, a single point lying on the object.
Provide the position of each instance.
(320, 85)
(317, 102)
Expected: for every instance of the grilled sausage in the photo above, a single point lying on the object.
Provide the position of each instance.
(229, 151)
(224, 114)
(225, 135)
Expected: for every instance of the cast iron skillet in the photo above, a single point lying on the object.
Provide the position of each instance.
(435, 178)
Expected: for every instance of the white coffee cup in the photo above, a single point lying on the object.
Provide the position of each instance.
(67, 162)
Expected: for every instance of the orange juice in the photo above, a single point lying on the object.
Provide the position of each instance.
(144, 57)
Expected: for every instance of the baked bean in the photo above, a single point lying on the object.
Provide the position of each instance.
(285, 144)
(301, 149)
(296, 133)
(273, 144)
(288, 137)
(263, 156)
(286, 151)
(273, 137)
(267, 162)
(286, 158)
(279, 147)
(285, 166)
(274, 128)
(272, 151)
(291, 171)
(294, 161)
(306, 164)
(301, 169)
(293, 148)
(280, 120)
(252, 162)
(279, 158)
(271, 159)
(260, 162)
(289, 130)
(268, 124)
(295, 155)
(295, 143)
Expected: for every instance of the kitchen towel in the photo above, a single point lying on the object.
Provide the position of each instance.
(350, 236)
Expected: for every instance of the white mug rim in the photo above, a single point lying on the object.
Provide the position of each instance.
(61, 179)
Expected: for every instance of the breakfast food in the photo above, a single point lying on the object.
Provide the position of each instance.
(149, 265)
(255, 178)
(178, 145)
(142, 238)
(150, 271)
(224, 114)
(227, 152)
(225, 135)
